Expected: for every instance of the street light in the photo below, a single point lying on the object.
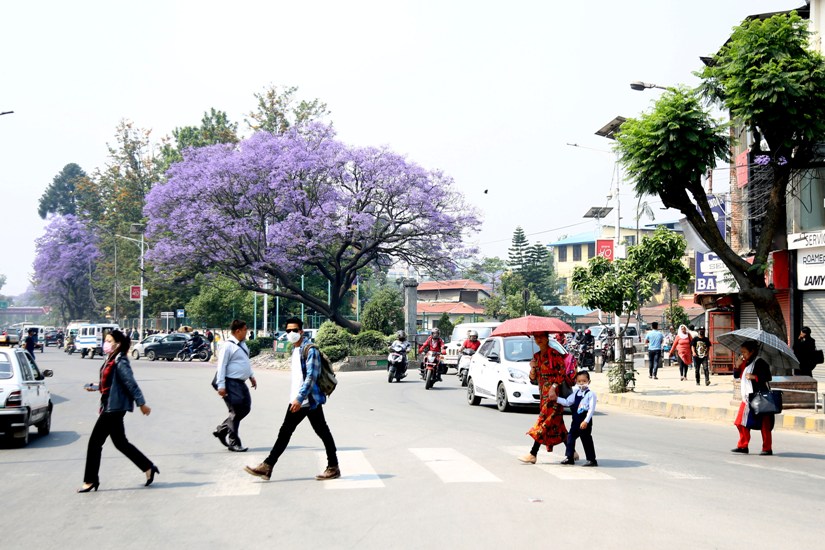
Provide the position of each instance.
(640, 86)
(138, 228)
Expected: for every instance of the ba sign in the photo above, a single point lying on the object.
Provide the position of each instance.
(134, 292)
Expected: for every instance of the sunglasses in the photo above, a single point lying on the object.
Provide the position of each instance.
(292, 330)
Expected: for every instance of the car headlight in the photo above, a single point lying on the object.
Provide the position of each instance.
(518, 376)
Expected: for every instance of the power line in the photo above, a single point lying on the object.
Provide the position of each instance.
(539, 232)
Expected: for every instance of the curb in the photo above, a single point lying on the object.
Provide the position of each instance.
(805, 424)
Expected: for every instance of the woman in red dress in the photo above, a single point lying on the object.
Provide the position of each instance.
(547, 368)
(681, 347)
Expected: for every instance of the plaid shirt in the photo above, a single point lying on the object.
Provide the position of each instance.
(312, 370)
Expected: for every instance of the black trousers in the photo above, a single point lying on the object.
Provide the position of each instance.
(291, 421)
(654, 359)
(110, 424)
(238, 403)
(683, 367)
(701, 362)
(585, 435)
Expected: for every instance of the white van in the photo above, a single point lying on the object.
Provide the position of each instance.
(458, 336)
(90, 338)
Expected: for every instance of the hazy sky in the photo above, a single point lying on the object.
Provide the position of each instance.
(488, 91)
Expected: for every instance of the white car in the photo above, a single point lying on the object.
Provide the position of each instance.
(500, 370)
(137, 349)
(24, 398)
(451, 355)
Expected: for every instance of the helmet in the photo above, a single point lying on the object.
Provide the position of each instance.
(472, 334)
(579, 331)
(401, 335)
(196, 333)
(436, 332)
(587, 331)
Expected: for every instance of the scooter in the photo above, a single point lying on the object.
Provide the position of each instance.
(396, 362)
(432, 368)
(464, 365)
(586, 357)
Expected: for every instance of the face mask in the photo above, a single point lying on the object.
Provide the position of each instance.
(293, 337)
(583, 386)
(108, 347)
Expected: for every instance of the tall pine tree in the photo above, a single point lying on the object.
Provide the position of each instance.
(518, 251)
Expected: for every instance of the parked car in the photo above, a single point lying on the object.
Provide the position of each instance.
(165, 348)
(25, 400)
(138, 349)
(9, 337)
(500, 370)
(450, 358)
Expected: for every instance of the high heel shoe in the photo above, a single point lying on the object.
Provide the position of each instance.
(153, 470)
(88, 489)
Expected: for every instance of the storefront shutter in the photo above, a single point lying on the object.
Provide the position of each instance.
(747, 316)
(813, 313)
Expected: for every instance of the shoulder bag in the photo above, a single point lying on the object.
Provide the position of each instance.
(767, 402)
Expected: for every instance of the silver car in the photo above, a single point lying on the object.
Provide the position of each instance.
(25, 400)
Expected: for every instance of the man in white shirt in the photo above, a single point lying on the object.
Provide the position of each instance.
(233, 370)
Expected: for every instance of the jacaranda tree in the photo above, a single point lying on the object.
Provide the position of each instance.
(63, 266)
(273, 207)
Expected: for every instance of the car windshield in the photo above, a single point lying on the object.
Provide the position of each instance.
(5, 367)
(519, 348)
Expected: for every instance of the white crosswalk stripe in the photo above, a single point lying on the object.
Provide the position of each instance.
(453, 467)
(356, 471)
(549, 463)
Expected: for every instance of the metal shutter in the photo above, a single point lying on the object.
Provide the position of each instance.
(747, 316)
(813, 313)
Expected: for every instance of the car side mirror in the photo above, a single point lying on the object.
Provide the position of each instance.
(494, 358)
(48, 373)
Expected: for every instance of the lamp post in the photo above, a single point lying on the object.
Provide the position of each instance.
(640, 86)
(137, 228)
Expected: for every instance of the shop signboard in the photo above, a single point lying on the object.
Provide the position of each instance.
(712, 276)
(810, 268)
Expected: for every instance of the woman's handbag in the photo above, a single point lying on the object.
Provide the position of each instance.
(767, 402)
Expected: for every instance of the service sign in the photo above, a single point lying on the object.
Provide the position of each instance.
(810, 268)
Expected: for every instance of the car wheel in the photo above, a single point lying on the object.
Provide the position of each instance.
(45, 425)
(502, 403)
(150, 355)
(472, 398)
(135, 354)
(22, 441)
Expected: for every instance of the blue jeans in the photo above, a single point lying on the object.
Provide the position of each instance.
(654, 358)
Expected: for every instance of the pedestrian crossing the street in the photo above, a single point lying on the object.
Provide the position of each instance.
(359, 472)
(552, 466)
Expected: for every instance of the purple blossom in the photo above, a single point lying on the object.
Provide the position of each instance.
(762, 160)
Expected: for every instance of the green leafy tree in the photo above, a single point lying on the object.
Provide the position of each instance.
(486, 270)
(676, 315)
(60, 196)
(539, 274)
(219, 302)
(215, 128)
(279, 109)
(384, 312)
(508, 302)
(445, 326)
(772, 82)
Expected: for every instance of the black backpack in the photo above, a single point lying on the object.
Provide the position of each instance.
(327, 382)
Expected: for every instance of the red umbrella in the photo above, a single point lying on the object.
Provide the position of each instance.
(525, 326)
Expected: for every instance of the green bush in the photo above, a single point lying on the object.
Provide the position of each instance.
(330, 334)
(265, 342)
(254, 347)
(336, 353)
(370, 341)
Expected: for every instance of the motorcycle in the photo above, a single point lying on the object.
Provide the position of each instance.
(201, 353)
(396, 362)
(586, 357)
(70, 347)
(464, 365)
(432, 368)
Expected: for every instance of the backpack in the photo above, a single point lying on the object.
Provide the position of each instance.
(327, 381)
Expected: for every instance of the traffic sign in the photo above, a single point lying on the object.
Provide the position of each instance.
(180, 314)
(167, 314)
(134, 292)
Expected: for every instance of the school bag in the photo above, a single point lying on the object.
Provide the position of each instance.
(327, 382)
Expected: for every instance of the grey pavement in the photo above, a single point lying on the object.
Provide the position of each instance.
(671, 397)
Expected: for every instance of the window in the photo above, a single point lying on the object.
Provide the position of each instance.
(630, 240)
(5, 367)
(25, 371)
(562, 254)
(591, 250)
(577, 252)
(485, 347)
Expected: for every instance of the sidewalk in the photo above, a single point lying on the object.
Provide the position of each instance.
(669, 396)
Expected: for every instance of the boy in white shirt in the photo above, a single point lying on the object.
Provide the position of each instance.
(582, 403)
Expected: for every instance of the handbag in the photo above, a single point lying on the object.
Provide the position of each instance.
(565, 390)
(767, 402)
(819, 357)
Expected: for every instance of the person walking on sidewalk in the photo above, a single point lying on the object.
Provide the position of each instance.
(233, 370)
(805, 350)
(654, 340)
(700, 348)
(667, 345)
(547, 370)
(681, 347)
(755, 374)
(582, 403)
(306, 401)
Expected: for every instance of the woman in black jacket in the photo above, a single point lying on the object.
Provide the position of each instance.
(755, 374)
(805, 350)
(118, 394)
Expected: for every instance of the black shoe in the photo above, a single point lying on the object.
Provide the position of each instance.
(221, 435)
(655, 377)
(743, 450)
(590, 464)
(707, 382)
(766, 453)
(153, 470)
(568, 461)
(88, 489)
(238, 449)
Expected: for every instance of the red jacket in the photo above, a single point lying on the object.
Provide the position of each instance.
(432, 344)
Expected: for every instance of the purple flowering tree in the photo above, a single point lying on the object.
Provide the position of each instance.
(275, 207)
(63, 265)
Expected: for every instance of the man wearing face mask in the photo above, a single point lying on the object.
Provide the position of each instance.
(234, 369)
(306, 401)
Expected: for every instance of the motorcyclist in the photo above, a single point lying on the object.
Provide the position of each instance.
(433, 343)
(401, 340)
(195, 342)
(587, 339)
(472, 342)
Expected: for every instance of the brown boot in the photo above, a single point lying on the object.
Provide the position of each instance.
(332, 472)
(262, 470)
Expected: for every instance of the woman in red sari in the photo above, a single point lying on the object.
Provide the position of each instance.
(547, 368)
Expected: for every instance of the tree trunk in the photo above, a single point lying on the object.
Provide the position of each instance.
(769, 314)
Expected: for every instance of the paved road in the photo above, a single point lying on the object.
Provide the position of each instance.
(421, 469)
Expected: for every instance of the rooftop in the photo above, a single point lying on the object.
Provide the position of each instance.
(455, 284)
